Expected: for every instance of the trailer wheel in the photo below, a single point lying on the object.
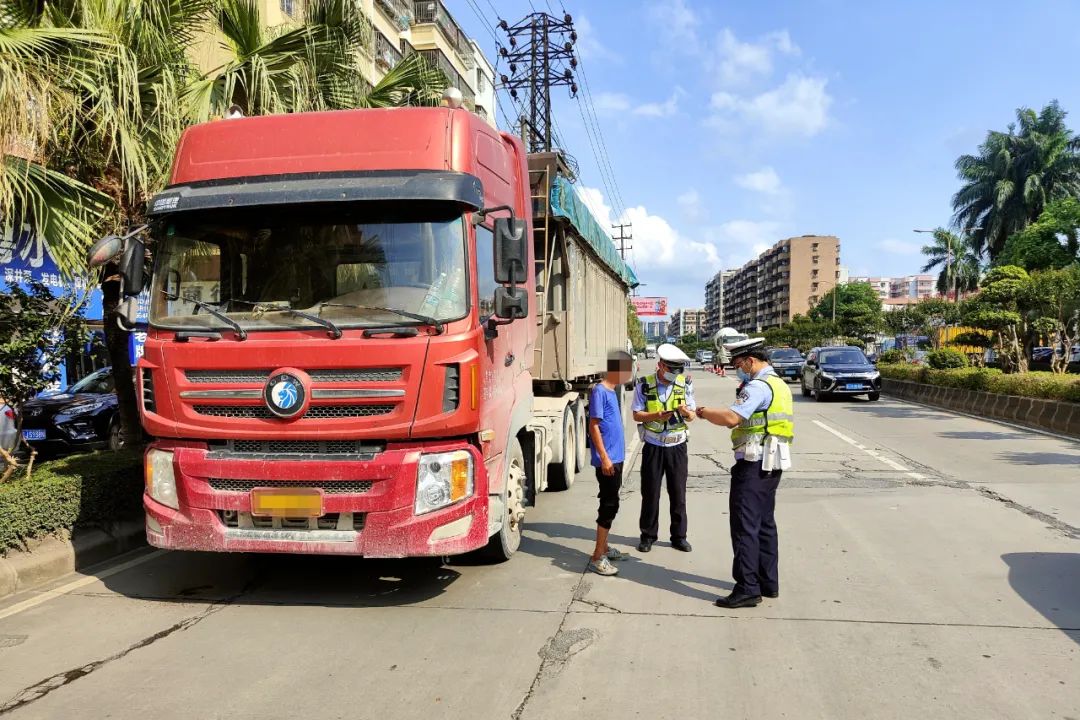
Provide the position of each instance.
(581, 419)
(561, 475)
(503, 544)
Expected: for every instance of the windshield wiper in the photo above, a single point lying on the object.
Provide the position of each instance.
(241, 334)
(334, 330)
(426, 319)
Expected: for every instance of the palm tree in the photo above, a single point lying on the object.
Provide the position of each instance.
(1014, 175)
(313, 66)
(958, 261)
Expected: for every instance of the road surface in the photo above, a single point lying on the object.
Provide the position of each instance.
(930, 567)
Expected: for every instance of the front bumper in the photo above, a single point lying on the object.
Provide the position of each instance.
(386, 525)
(858, 385)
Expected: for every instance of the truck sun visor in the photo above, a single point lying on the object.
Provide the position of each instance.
(322, 187)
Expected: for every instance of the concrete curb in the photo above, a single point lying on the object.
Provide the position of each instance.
(1051, 416)
(55, 557)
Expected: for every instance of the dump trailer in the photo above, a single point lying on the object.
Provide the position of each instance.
(371, 333)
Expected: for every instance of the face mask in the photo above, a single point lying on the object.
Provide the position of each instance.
(668, 376)
(743, 375)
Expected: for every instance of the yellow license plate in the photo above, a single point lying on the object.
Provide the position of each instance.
(286, 502)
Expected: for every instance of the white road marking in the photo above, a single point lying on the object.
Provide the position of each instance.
(76, 584)
(872, 453)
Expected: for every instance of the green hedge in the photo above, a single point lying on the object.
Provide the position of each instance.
(946, 358)
(1033, 384)
(77, 491)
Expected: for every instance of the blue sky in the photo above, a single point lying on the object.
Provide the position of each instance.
(731, 125)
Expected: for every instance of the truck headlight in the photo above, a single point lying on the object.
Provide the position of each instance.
(160, 479)
(443, 479)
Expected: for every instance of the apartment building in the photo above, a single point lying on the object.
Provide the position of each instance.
(398, 28)
(714, 302)
(786, 280)
(687, 322)
(908, 286)
(654, 329)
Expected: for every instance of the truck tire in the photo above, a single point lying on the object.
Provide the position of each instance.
(503, 544)
(581, 419)
(561, 475)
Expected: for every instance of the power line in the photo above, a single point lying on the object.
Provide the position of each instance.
(605, 155)
(483, 20)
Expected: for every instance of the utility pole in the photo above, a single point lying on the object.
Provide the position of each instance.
(540, 56)
(624, 236)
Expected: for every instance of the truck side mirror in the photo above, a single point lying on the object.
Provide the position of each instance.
(511, 303)
(511, 251)
(127, 313)
(104, 250)
(132, 265)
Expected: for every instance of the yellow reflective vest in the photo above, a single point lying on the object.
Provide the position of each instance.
(778, 419)
(675, 398)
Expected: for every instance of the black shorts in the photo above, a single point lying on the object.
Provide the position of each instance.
(609, 495)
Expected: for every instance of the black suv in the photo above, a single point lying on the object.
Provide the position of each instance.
(842, 370)
(83, 417)
(787, 362)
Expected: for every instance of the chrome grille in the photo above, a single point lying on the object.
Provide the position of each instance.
(356, 449)
(314, 412)
(336, 487)
(319, 376)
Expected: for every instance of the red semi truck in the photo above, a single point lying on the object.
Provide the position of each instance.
(371, 333)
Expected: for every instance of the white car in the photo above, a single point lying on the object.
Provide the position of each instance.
(8, 428)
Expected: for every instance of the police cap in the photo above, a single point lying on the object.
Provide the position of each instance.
(750, 346)
(672, 355)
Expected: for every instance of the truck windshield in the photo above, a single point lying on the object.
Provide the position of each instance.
(357, 267)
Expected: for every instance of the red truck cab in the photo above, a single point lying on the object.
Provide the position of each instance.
(338, 353)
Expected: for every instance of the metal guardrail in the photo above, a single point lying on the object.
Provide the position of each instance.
(433, 11)
(387, 54)
(399, 12)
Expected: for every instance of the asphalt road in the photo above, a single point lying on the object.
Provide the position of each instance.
(930, 567)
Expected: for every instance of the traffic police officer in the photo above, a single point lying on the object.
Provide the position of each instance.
(664, 405)
(762, 422)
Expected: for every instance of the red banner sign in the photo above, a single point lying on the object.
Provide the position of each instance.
(650, 306)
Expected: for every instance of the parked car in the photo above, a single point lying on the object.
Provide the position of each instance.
(787, 362)
(841, 370)
(705, 357)
(83, 417)
(8, 427)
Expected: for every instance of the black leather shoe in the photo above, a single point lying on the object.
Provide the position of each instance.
(733, 601)
(773, 594)
(645, 546)
(681, 545)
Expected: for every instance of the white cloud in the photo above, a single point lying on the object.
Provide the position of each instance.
(799, 107)
(739, 62)
(660, 110)
(690, 203)
(609, 102)
(899, 247)
(594, 200)
(677, 23)
(588, 45)
(764, 181)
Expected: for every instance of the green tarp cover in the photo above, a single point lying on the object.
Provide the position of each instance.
(566, 203)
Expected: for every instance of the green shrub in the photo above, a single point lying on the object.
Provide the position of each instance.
(1032, 384)
(892, 357)
(946, 358)
(78, 491)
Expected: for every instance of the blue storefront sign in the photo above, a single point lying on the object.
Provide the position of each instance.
(25, 257)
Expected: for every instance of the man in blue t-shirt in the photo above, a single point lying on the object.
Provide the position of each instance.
(608, 453)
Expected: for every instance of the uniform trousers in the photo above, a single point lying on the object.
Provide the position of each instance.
(754, 539)
(659, 463)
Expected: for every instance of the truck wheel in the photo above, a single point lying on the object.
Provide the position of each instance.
(580, 421)
(503, 544)
(561, 475)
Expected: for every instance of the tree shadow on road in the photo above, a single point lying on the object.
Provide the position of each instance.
(1041, 458)
(638, 569)
(898, 412)
(983, 435)
(1050, 583)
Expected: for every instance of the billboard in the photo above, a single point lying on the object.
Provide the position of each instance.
(650, 306)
